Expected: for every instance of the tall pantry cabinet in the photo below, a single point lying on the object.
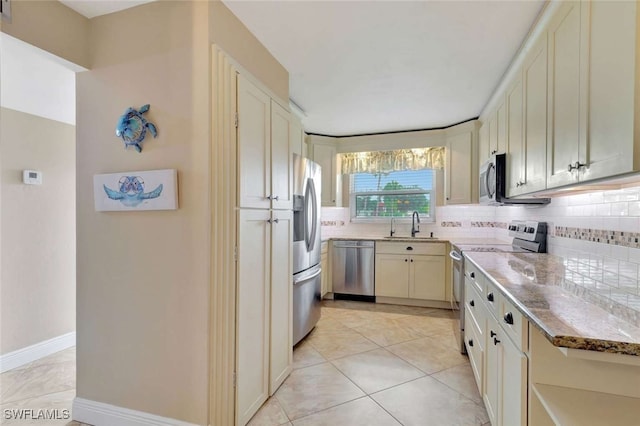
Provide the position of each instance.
(264, 334)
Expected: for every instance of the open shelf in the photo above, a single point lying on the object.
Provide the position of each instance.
(568, 406)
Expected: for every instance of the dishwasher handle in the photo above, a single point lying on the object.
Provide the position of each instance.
(349, 244)
(455, 256)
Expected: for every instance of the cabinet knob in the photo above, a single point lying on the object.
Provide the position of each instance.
(470, 342)
(493, 333)
(406, 260)
(508, 318)
(409, 248)
(276, 198)
(490, 297)
(495, 341)
(494, 151)
(472, 275)
(472, 303)
(268, 220)
(411, 260)
(276, 220)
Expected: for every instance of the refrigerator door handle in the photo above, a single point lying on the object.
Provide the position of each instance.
(310, 195)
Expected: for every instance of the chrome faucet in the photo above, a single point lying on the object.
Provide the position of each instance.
(392, 230)
(415, 230)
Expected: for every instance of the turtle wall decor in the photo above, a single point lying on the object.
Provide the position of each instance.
(132, 127)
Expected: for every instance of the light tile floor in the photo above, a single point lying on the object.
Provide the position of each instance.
(46, 384)
(370, 364)
(364, 364)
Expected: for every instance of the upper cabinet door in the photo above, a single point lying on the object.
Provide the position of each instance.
(612, 71)
(483, 143)
(565, 95)
(458, 170)
(254, 146)
(325, 156)
(501, 123)
(534, 77)
(515, 146)
(281, 158)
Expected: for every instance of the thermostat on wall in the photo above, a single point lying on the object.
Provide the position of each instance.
(32, 177)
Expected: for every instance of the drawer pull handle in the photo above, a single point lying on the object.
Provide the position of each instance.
(470, 342)
(409, 248)
(490, 297)
(508, 318)
(472, 303)
(472, 275)
(495, 341)
(406, 260)
(493, 333)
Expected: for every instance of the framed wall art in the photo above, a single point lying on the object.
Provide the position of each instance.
(131, 191)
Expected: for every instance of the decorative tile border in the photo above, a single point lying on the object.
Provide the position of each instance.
(618, 238)
(451, 224)
(332, 223)
(502, 225)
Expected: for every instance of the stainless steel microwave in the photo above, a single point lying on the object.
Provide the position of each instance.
(493, 184)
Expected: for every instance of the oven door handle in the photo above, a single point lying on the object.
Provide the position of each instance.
(455, 256)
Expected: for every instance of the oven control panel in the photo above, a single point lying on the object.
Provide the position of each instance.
(529, 230)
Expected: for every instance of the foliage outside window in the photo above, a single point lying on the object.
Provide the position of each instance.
(379, 196)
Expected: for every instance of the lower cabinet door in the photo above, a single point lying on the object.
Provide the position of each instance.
(514, 384)
(281, 336)
(427, 277)
(252, 328)
(392, 275)
(493, 359)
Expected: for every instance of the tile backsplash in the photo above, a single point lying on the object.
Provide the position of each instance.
(598, 234)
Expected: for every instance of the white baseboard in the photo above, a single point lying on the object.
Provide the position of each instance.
(101, 414)
(35, 352)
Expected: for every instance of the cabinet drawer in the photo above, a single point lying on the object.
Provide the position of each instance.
(410, 248)
(492, 298)
(476, 352)
(475, 277)
(474, 307)
(514, 324)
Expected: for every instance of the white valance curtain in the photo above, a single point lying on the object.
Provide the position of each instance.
(391, 161)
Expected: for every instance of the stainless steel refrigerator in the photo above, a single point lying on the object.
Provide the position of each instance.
(306, 246)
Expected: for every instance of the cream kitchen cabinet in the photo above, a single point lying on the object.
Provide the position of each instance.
(410, 270)
(459, 176)
(515, 140)
(496, 336)
(324, 265)
(326, 156)
(264, 318)
(483, 143)
(265, 171)
(298, 145)
(566, 132)
(534, 149)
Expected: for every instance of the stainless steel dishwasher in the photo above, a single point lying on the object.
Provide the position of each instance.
(353, 270)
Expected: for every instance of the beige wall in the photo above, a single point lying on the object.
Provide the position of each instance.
(51, 26)
(37, 296)
(143, 276)
(233, 37)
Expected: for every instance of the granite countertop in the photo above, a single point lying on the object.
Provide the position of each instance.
(569, 313)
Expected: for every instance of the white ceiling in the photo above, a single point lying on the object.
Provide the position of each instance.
(93, 8)
(367, 66)
(377, 66)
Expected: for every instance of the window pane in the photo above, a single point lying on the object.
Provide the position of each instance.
(408, 179)
(400, 205)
